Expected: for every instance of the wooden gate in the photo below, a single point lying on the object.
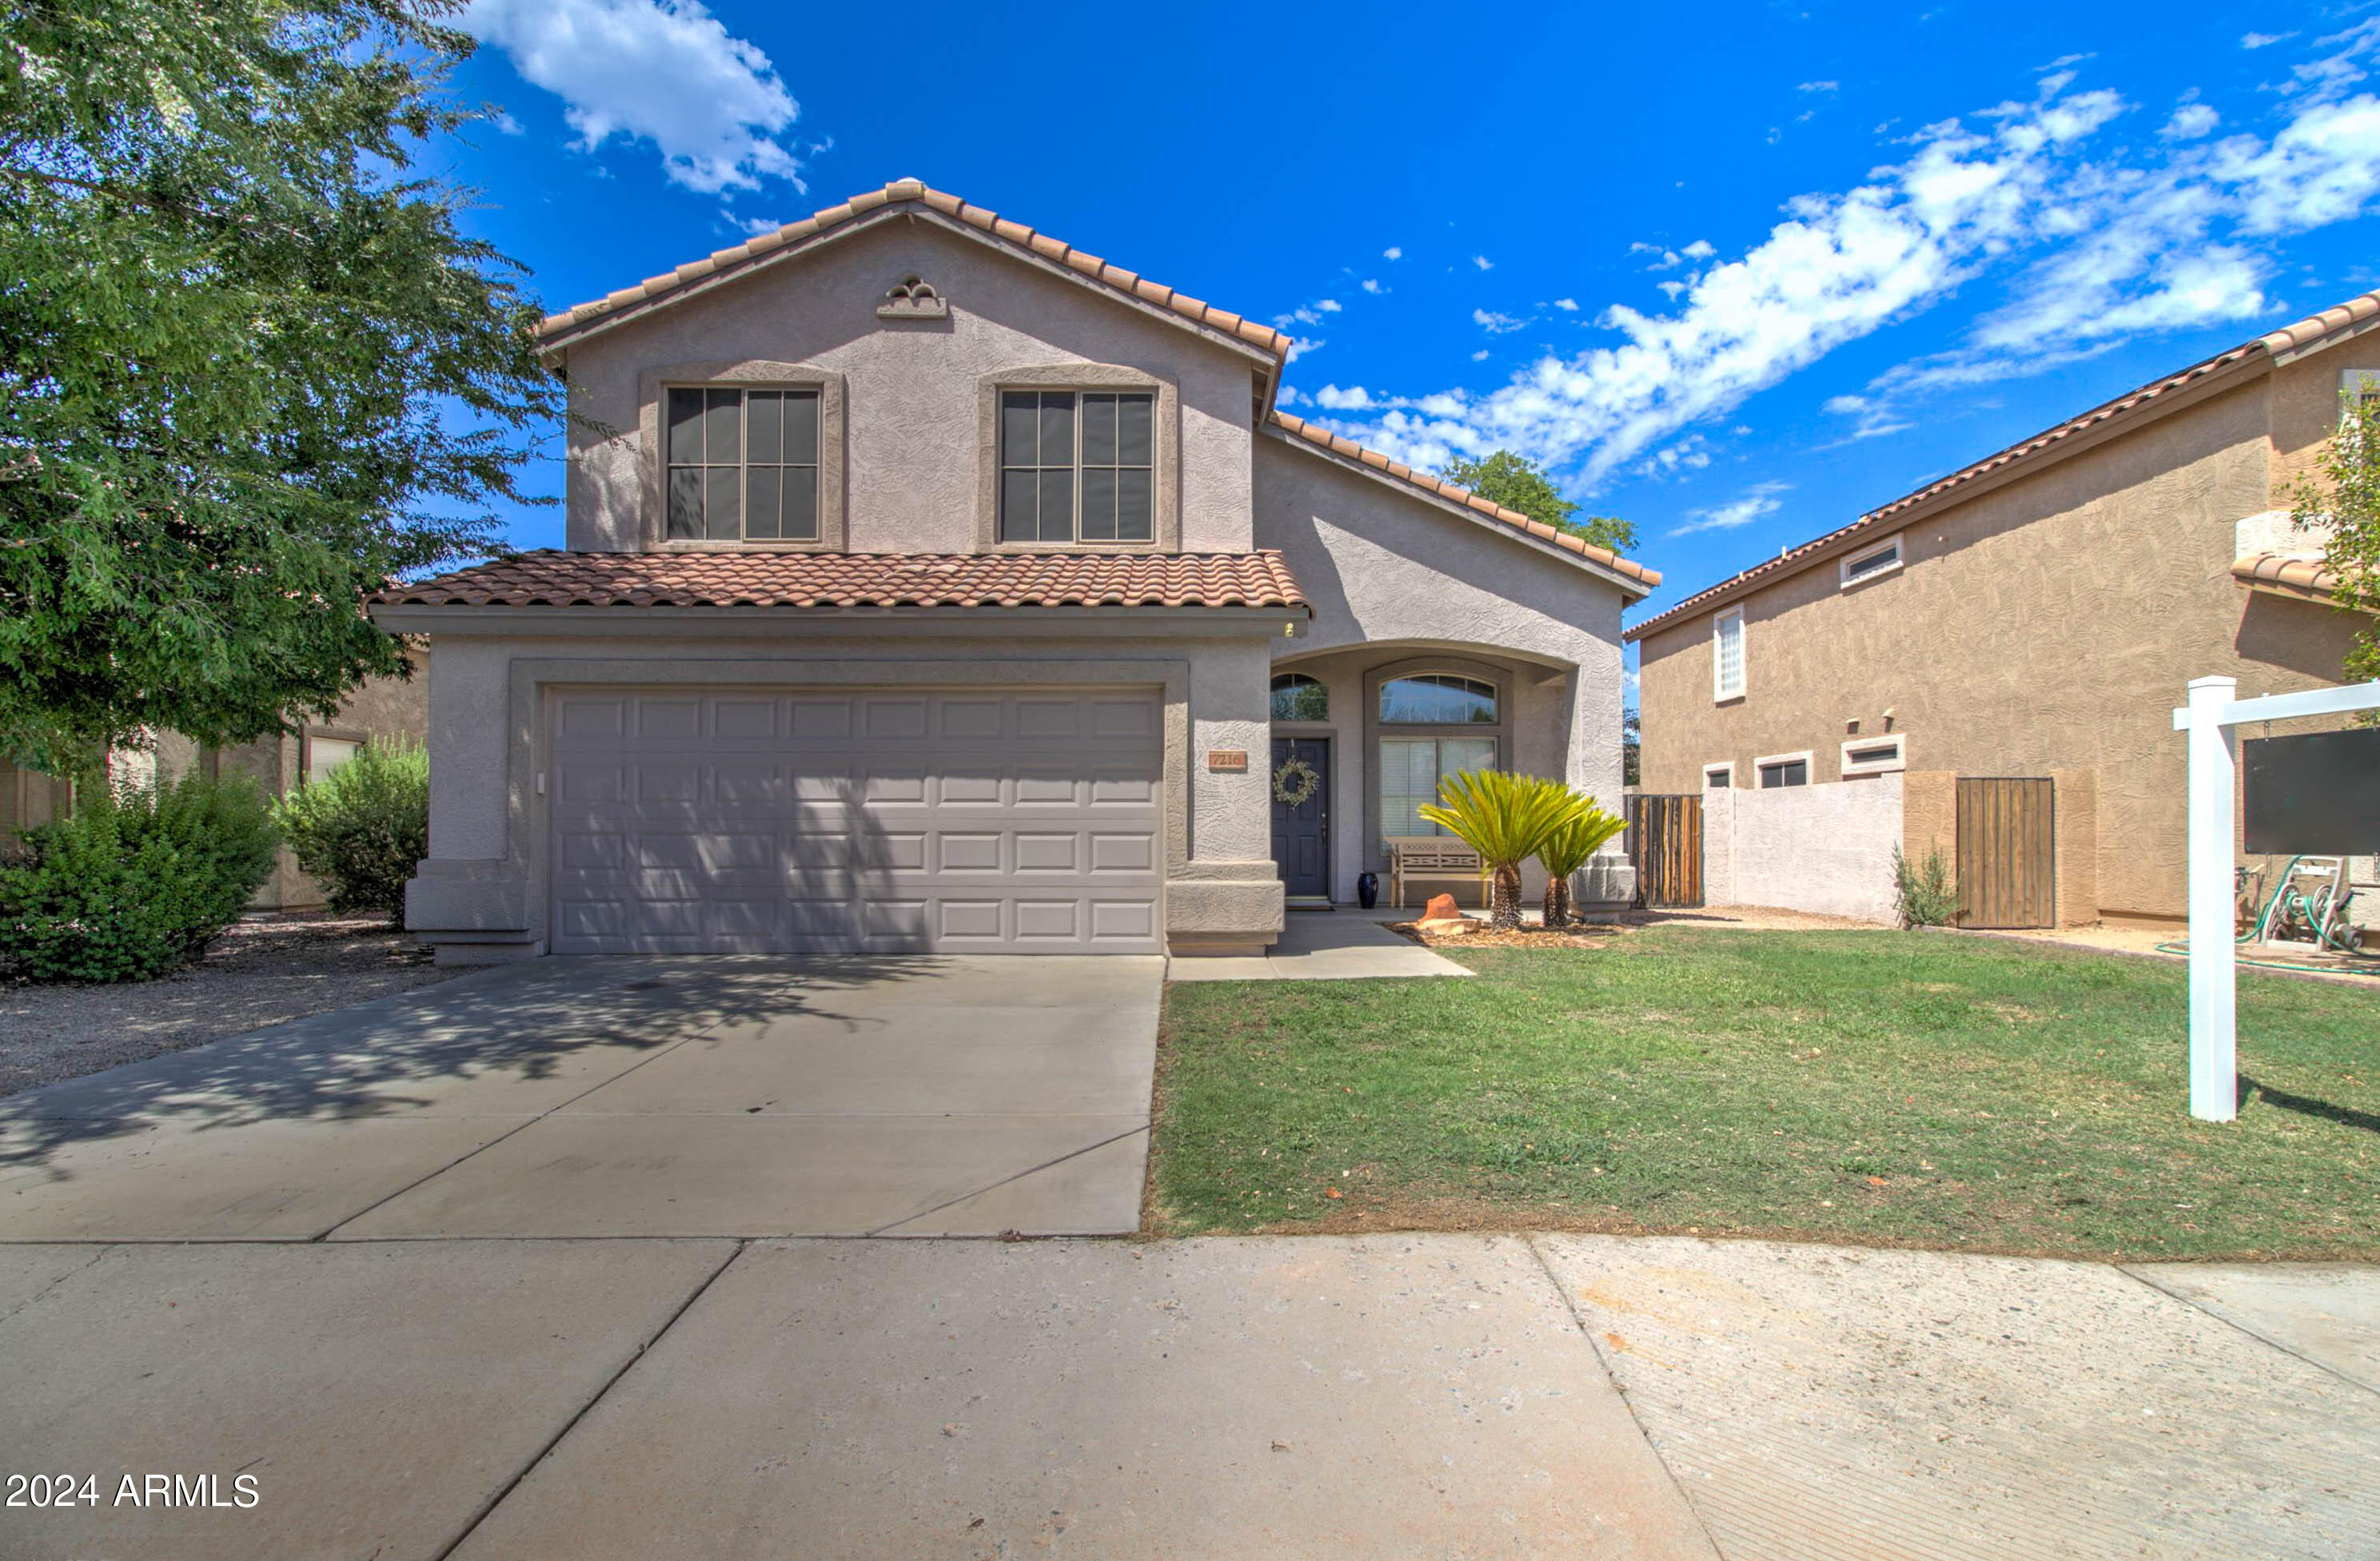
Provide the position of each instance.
(1665, 846)
(2007, 851)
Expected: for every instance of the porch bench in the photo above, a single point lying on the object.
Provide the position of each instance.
(1425, 864)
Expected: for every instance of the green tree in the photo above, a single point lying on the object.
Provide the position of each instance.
(1506, 818)
(1566, 848)
(1518, 483)
(2344, 499)
(251, 367)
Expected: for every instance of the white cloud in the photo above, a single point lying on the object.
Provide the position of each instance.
(1299, 345)
(1700, 250)
(1372, 284)
(2191, 121)
(1285, 396)
(663, 71)
(1819, 87)
(1483, 263)
(2090, 243)
(1756, 501)
(1354, 398)
(755, 226)
(1480, 357)
(1393, 252)
(2264, 39)
(1497, 324)
(1569, 306)
(508, 124)
(1328, 306)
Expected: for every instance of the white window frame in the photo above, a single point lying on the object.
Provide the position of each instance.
(1767, 760)
(1845, 579)
(1722, 767)
(1897, 742)
(1720, 692)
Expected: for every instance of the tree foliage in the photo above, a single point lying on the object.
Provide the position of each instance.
(250, 366)
(1518, 483)
(1506, 818)
(2344, 501)
(1566, 848)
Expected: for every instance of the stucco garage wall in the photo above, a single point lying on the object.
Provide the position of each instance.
(1826, 849)
(2045, 625)
(912, 413)
(486, 872)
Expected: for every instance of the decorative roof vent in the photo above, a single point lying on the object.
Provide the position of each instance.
(913, 297)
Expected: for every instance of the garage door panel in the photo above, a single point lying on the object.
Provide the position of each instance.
(796, 821)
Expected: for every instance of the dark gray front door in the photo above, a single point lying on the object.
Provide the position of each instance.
(1301, 832)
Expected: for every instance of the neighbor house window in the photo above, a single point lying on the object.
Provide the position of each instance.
(1727, 655)
(1438, 700)
(1077, 465)
(324, 755)
(1717, 777)
(1872, 755)
(1296, 696)
(1869, 564)
(1783, 770)
(742, 464)
(1411, 768)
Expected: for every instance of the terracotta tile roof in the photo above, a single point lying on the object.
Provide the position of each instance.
(756, 250)
(2312, 332)
(1400, 472)
(551, 578)
(2288, 574)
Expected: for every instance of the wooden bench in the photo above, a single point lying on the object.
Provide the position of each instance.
(1424, 864)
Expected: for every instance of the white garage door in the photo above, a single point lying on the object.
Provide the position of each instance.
(801, 820)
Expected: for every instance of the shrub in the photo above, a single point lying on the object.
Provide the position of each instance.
(135, 882)
(1924, 894)
(363, 828)
(1566, 848)
(1506, 818)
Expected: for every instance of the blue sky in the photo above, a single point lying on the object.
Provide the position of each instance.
(1735, 274)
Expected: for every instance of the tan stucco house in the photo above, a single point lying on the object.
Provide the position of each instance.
(933, 585)
(2036, 614)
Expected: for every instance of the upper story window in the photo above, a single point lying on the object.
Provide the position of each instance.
(1869, 564)
(1437, 699)
(1727, 655)
(1873, 755)
(1296, 696)
(1077, 465)
(742, 464)
(1783, 770)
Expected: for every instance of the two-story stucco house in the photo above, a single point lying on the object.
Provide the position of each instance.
(933, 585)
(2038, 614)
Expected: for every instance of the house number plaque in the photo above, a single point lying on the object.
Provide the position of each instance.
(1234, 760)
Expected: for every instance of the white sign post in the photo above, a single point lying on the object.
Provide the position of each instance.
(2209, 718)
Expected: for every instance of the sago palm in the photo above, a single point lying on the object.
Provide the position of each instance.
(1566, 849)
(1506, 818)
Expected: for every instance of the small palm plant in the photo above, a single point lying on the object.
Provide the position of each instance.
(1506, 818)
(1566, 849)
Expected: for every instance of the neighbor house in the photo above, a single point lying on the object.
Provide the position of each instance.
(932, 584)
(2036, 614)
(381, 709)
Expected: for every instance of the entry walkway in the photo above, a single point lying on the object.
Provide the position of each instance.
(1323, 946)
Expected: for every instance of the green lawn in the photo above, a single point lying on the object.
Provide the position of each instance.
(1898, 1088)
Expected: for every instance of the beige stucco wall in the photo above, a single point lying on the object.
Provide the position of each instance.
(914, 450)
(2048, 625)
(1398, 581)
(484, 879)
(2305, 411)
(1825, 848)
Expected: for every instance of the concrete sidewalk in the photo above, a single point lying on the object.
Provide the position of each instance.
(1323, 946)
(1423, 1396)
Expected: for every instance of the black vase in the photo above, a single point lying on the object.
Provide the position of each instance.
(1367, 890)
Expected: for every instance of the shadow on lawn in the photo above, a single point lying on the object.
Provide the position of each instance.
(2305, 1106)
(379, 1057)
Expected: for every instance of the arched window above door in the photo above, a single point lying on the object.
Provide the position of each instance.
(1436, 699)
(1296, 696)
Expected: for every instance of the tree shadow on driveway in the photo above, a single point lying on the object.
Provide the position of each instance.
(405, 1053)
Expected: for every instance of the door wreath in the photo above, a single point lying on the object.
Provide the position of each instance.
(1294, 783)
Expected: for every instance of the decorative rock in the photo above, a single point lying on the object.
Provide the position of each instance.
(1440, 908)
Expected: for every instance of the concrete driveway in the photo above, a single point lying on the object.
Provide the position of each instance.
(933, 1096)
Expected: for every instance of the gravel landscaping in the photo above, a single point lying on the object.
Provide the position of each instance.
(259, 972)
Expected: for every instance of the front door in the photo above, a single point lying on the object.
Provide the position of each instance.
(1300, 816)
